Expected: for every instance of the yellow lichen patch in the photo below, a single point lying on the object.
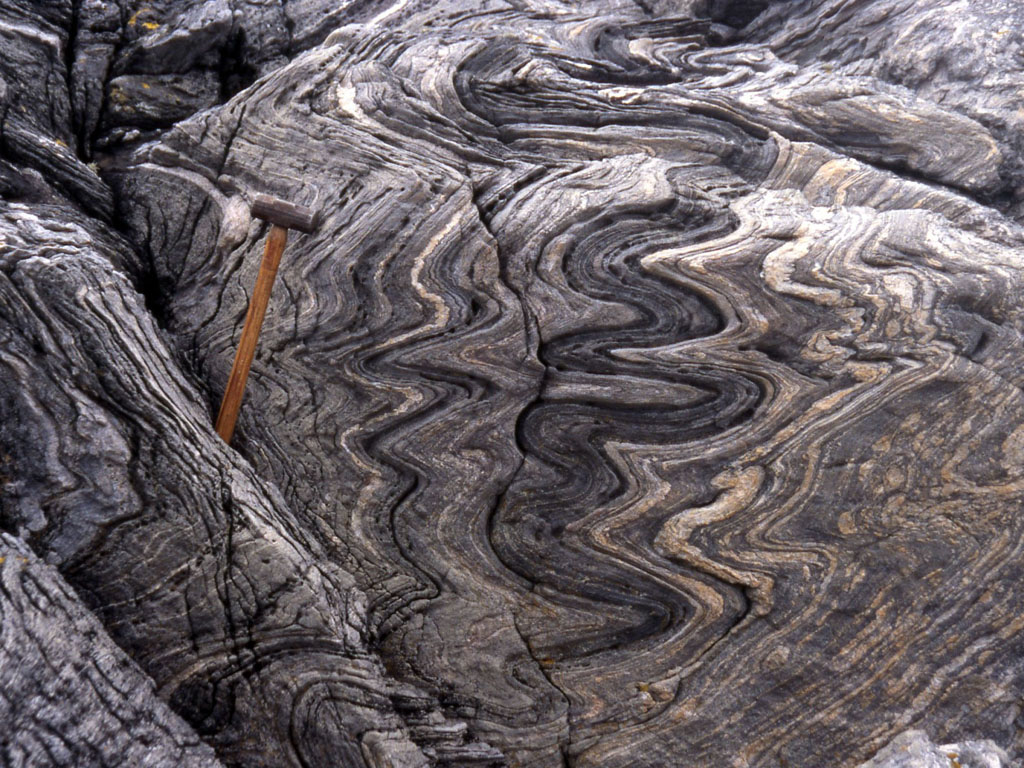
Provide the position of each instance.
(150, 25)
(146, 86)
(117, 95)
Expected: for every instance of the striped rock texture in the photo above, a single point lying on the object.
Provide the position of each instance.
(69, 695)
(650, 393)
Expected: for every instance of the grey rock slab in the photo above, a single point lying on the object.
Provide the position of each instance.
(649, 393)
(655, 392)
(34, 37)
(914, 749)
(169, 42)
(155, 101)
(35, 104)
(68, 694)
(964, 56)
(193, 564)
(409, 204)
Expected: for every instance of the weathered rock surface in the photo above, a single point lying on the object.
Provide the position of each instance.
(914, 749)
(68, 695)
(650, 393)
(190, 561)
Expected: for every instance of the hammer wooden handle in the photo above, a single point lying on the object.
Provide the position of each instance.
(250, 332)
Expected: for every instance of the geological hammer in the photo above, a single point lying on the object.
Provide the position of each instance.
(282, 217)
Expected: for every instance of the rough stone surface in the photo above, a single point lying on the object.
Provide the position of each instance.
(914, 749)
(650, 393)
(68, 695)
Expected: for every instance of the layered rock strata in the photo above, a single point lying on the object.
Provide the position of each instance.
(649, 393)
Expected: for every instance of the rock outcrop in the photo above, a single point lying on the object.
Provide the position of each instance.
(914, 749)
(649, 394)
(69, 696)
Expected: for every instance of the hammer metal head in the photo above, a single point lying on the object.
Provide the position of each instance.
(284, 214)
